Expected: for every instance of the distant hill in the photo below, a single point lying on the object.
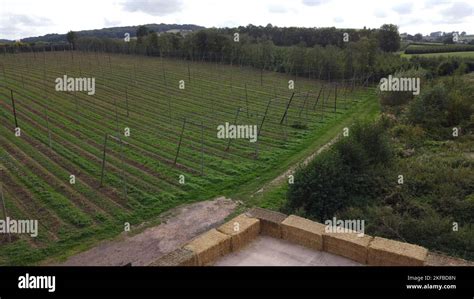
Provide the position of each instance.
(113, 32)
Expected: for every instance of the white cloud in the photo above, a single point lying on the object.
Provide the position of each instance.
(277, 9)
(457, 12)
(425, 16)
(23, 24)
(434, 3)
(314, 2)
(379, 13)
(111, 23)
(403, 8)
(153, 7)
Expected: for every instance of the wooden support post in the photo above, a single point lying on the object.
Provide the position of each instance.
(14, 109)
(47, 125)
(246, 100)
(287, 106)
(44, 82)
(169, 109)
(235, 123)
(335, 97)
(366, 82)
(263, 119)
(327, 99)
(116, 118)
(163, 69)
(322, 105)
(126, 100)
(202, 148)
(124, 181)
(179, 143)
(4, 208)
(4, 76)
(103, 160)
(135, 74)
(189, 73)
(304, 104)
(256, 142)
(164, 78)
(345, 95)
(75, 100)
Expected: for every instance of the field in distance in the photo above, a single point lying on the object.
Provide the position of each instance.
(468, 54)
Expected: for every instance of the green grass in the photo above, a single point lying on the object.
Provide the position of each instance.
(75, 217)
(442, 48)
(469, 54)
(274, 197)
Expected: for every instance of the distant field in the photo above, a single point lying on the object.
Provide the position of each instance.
(425, 44)
(440, 48)
(173, 132)
(469, 54)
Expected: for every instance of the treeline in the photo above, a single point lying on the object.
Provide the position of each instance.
(330, 58)
(289, 36)
(323, 53)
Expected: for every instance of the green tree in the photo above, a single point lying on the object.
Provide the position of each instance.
(347, 175)
(153, 43)
(71, 38)
(142, 31)
(448, 40)
(201, 42)
(389, 38)
(429, 109)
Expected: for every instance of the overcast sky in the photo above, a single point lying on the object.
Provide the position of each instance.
(25, 18)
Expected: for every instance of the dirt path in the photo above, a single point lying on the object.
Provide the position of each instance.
(284, 176)
(179, 226)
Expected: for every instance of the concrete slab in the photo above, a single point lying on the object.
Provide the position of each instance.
(268, 251)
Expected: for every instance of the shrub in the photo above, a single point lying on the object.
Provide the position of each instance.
(462, 69)
(443, 106)
(319, 188)
(343, 176)
(395, 98)
(429, 109)
(411, 136)
(446, 68)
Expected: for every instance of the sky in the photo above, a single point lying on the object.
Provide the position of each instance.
(26, 18)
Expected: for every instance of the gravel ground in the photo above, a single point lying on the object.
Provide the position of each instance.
(179, 226)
